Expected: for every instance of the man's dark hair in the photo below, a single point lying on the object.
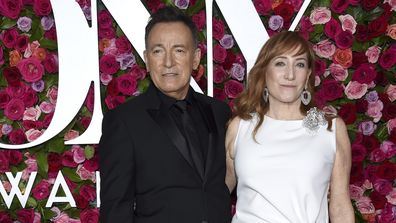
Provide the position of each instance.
(171, 14)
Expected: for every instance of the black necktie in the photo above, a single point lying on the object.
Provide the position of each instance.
(191, 136)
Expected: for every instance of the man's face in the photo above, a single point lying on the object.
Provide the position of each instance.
(170, 58)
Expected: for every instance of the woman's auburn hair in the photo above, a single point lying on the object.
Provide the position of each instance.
(251, 101)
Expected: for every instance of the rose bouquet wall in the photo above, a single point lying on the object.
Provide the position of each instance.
(355, 78)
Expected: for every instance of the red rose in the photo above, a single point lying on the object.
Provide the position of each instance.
(29, 124)
(356, 173)
(382, 186)
(219, 74)
(361, 105)
(25, 215)
(126, 84)
(362, 33)
(306, 26)
(30, 97)
(5, 217)
(218, 29)
(370, 142)
(88, 192)
(104, 19)
(70, 184)
(339, 6)
(4, 163)
(219, 53)
(41, 191)
(14, 109)
(12, 76)
(81, 202)
(386, 170)
(389, 111)
(381, 79)
(31, 69)
(219, 94)
(285, 10)
(51, 63)
(4, 99)
(54, 163)
(332, 28)
(21, 43)
(17, 136)
(358, 58)
(112, 88)
(137, 72)
(11, 9)
(47, 120)
(331, 89)
(199, 19)
(67, 159)
(89, 216)
(369, 5)
(262, 6)
(388, 59)
(370, 172)
(344, 39)
(42, 7)
(378, 200)
(51, 34)
(358, 153)
(90, 100)
(9, 37)
(114, 101)
(108, 33)
(364, 74)
(320, 67)
(14, 157)
(392, 136)
(233, 88)
(85, 121)
(108, 64)
(92, 164)
(16, 92)
(377, 27)
(348, 113)
(154, 5)
(229, 60)
(123, 45)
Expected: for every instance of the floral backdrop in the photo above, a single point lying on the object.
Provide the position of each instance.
(355, 78)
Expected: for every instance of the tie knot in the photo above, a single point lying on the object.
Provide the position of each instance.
(182, 105)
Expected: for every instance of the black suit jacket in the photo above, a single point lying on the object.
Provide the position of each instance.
(146, 173)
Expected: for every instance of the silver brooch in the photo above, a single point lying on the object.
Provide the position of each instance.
(313, 120)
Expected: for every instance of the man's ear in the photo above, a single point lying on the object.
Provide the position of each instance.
(146, 60)
(197, 58)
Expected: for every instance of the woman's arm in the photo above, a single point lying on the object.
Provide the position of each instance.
(341, 210)
(232, 131)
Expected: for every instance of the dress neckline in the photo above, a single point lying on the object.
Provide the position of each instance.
(283, 120)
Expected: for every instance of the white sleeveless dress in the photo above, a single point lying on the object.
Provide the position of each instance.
(285, 178)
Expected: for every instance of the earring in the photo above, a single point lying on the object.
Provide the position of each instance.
(265, 95)
(305, 97)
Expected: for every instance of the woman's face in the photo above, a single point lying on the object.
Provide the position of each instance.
(286, 76)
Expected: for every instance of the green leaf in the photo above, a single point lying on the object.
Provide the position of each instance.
(31, 202)
(194, 9)
(143, 85)
(7, 23)
(48, 44)
(37, 30)
(89, 152)
(42, 163)
(119, 31)
(71, 174)
(382, 132)
(56, 145)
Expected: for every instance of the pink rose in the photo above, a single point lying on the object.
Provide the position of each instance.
(51, 63)
(199, 19)
(262, 6)
(105, 78)
(391, 31)
(17, 136)
(11, 8)
(219, 74)
(88, 192)
(388, 59)
(377, 155)
(391, 92)
(41, 190)
(367, 185)
(320, 15)
(338, 72)
(78, 154)
(365, 206)
(348, 23)
(374, 110)
(68, 159)
(14, 109)
(108, 64)
(389, 148)
(31, 164)
(382, 186)
(332, 28)
(85, 174)
(71, 134)
(355, 90)
(123, 45)
(137, 72)
(355, 192)
(31, 69)
(324, 49)
(47, 107)
(7, 187)
(373, 53)
(391, 124)
(104, 19)
(32, 134)
(126, 84)
(9, 37)
(391, 197)
(52, 94)
(32, 114)
(233, 88)
(219, 53)
(42, 7)
(218, 29)
(89, 216)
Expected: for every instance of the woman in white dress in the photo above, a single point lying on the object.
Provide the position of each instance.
(283, 153)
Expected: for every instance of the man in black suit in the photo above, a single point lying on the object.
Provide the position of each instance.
(162, 154)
